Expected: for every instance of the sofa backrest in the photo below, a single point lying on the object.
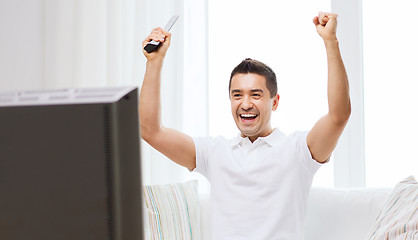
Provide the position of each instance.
(343, 213)
(333, 213)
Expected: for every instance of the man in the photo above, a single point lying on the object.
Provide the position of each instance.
(260, 180)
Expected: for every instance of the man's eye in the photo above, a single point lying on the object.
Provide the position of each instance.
(237, 95)
(256, 95)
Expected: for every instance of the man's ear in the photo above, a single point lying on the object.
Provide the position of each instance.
(275, 102)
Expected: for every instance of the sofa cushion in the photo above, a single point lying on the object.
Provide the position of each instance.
(205, 216)
(398, 218)
(333, 213)
(342, 213)
(172, 211)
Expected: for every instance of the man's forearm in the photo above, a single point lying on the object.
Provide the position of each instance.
(338, 88)
(149, 100)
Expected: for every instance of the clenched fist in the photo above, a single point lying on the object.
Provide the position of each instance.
(326, 25)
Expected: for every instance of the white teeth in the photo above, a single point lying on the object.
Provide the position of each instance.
(248, 115)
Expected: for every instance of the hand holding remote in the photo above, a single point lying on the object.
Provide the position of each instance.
(159, 38)
(161, 42)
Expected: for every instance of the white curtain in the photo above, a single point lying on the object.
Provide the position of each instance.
(91, 43)
(184, 83)
(97, 43)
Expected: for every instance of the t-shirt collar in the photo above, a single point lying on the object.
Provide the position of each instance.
(273, 139)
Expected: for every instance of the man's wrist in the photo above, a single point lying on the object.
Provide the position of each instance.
(156, 62)
(331, 41)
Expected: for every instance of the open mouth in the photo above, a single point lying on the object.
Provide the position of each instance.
(248, 117)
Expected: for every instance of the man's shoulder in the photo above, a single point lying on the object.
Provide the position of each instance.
(214, 140)
(298, 134)
(297, 138)
(278, 137)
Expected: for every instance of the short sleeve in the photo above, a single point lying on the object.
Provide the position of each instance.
(303, 150)
(202, 146)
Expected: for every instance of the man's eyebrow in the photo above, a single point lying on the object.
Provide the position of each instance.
(235, 91)
(252, 90)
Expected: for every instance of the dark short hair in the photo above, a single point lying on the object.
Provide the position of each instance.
(249, 65)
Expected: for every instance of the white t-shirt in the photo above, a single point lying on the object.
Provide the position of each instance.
(258, 190)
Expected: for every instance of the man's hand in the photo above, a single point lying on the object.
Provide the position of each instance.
(158, 35)
(326, 25)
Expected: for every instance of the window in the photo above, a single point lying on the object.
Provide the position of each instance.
(282, 35)
(390, 90)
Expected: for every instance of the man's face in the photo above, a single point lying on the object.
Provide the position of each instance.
(252, 105)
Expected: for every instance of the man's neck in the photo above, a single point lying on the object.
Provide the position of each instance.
(255, 137)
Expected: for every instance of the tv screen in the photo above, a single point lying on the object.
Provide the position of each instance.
(70, 165)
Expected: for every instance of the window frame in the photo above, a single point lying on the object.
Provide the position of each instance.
(349, 155)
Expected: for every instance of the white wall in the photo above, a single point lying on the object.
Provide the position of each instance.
(21, 44)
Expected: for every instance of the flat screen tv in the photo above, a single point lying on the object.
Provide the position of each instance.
(70, 165)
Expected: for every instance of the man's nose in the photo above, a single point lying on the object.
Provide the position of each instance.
(246, 103)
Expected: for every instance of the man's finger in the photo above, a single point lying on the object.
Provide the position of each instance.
(157, 36)
(166, 35)
(315, 20)
(320, 18)
(323, 20)
(325, 17)
(158, 33)
(157, 30)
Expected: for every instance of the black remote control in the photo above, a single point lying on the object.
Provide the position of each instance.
(153, 45)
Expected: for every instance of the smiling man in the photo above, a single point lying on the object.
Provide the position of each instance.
(253, 94)
(261, 179)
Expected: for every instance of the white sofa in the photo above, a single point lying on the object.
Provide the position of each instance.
(333, 213)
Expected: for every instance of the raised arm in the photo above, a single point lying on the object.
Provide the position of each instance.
(324, 136)
(175, 145)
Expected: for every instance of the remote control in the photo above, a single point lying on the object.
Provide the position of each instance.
(153, 45)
